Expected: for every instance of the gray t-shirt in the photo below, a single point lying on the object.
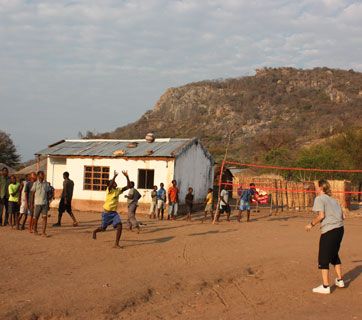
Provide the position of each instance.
(332, 211)
(224, 195)
(41, 190)
(132, 196)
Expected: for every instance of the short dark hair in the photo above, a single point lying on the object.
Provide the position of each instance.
(66, 174)
(209, 190)
(40, 172)
(4, 168)
(252, 184)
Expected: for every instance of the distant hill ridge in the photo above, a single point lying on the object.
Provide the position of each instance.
(277, 107)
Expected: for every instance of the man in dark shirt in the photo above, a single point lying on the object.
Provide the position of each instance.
(4, 195)
(65, 203)
(189, 200)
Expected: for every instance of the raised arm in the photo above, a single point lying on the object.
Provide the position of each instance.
(125, 173)
(115, 174)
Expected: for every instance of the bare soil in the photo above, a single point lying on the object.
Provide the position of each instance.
(264, 269)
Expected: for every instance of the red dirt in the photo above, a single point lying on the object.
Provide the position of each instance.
(264, 269)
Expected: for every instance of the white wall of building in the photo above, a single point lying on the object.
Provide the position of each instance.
(55, 169)
(193, 168)
(164, 172)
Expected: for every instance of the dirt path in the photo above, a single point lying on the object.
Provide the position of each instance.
(176, 270)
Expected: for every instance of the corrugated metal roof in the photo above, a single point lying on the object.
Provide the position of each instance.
(34, 168)
(107, 148)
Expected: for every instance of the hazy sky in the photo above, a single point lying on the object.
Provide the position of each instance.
(70, 66)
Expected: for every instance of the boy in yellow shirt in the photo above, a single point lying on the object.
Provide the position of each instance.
(208, 207)
(14, 208)
(110, 215)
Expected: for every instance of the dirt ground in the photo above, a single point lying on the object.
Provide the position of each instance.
(264, 269)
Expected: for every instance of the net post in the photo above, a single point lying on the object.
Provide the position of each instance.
(219, 191)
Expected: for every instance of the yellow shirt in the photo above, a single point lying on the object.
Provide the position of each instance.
(209, 198)
(14, 192)
(111, 202)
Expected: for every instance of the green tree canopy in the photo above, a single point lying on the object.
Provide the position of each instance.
(8, 153)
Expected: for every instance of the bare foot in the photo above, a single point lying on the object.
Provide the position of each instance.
(117, 246)
(75, 224)
(44, 235)
(94, 235)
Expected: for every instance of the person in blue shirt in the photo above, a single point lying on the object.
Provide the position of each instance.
(161, 201)
(245, 199)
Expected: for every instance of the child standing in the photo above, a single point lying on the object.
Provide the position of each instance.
(14, 188)
(22, 201)
(161, 201)
(153, 206)
(189, 200)
(40, 190)
(208, 207)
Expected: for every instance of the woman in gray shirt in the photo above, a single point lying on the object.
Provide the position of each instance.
(330, 217)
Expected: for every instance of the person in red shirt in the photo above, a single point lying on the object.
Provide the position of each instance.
(173, 198)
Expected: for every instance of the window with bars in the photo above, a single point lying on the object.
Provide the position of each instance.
(95, 178)
(146, 178)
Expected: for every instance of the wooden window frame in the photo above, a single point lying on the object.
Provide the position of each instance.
(95, 183)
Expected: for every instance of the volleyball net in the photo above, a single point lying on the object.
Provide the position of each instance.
(292, 188)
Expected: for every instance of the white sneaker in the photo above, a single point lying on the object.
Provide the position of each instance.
(339, 284)
(322, 290)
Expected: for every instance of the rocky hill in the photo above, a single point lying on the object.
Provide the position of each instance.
(277, 107)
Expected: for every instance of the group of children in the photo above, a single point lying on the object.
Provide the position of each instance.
(28, 198)
(159, 198)
(31, 198)
(246, 196)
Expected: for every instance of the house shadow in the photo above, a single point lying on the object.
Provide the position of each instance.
(352, 275)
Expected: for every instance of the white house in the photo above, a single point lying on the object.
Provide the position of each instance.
(91, 163)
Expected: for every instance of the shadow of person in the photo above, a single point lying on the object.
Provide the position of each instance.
(135, 243)
(352, 275)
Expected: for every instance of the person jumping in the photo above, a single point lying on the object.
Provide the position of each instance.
(110, 215)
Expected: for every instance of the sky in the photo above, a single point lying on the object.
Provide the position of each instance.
(71, 66)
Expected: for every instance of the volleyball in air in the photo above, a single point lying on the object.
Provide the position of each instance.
(150, 137)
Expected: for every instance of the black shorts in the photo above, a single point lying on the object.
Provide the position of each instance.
(329, 245)
(14, 207)
(225, 209)
(65, 206)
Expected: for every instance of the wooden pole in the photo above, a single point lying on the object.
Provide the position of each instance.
(220, 180)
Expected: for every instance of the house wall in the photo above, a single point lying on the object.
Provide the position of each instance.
(55, 169)
(89, 200)
(194, 168)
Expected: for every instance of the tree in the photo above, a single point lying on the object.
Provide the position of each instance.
(8, 153)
